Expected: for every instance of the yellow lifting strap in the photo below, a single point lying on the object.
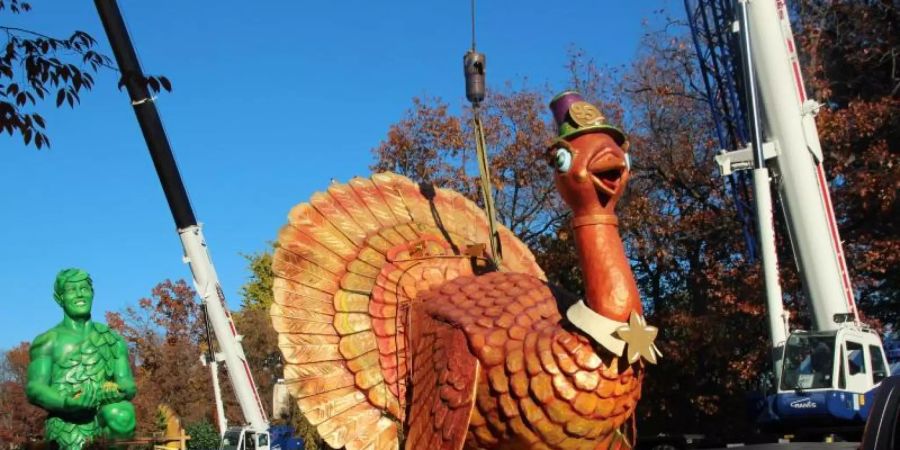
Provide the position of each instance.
(474, 69)
(487, 194)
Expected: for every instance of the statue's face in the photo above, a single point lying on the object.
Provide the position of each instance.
(76, 299)
(591, 172)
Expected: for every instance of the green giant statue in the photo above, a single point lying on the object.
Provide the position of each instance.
(79, 371)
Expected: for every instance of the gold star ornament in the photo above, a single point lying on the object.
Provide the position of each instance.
(639, 338)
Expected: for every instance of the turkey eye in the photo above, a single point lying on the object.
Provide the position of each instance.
(562, 160)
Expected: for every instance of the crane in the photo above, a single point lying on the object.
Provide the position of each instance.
(255, 433)
(750, 67)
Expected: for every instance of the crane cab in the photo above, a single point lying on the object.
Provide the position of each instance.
(244, 438)
(830, 375)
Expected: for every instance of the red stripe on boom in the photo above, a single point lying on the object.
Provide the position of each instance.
(836, 241)
(799, 80)
(255, 393)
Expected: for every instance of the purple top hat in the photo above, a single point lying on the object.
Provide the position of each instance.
(574, 116)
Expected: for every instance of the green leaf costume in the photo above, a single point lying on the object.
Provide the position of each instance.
(92, 362)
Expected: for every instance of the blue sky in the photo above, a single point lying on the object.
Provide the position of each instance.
(271, 100)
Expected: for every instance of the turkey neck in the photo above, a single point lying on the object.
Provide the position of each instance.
(609, 285)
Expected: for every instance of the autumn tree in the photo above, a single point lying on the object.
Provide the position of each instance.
(434, 146)
(166, 333)
(687, 252)
(20, 422)
(166, 336)
(35, 67)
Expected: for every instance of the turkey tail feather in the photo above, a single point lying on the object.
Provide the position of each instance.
(347, 265)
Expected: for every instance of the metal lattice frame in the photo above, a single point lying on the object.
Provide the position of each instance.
(718, 53)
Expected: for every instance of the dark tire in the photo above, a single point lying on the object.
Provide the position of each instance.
(883, 427)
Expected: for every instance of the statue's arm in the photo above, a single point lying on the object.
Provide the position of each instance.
(122, 370)
(37, 388)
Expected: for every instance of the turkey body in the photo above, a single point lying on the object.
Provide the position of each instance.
(538, 385)
(393, 334)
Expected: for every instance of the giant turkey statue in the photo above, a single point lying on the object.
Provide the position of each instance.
(396, 330)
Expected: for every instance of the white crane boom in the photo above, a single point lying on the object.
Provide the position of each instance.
(788, 121)
(255, 434)
(207, 285)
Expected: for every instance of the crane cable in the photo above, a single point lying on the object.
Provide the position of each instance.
(473, 63)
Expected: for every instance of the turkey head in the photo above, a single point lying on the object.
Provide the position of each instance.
(591, 172)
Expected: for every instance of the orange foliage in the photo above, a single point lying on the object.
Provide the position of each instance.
(165, 338)
(20, 422)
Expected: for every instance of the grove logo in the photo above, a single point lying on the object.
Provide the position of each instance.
(803, 403)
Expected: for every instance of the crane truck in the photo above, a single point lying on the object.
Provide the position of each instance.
(255, 433)
(826, 376)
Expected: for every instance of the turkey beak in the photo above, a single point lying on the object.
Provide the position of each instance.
(606, 170)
